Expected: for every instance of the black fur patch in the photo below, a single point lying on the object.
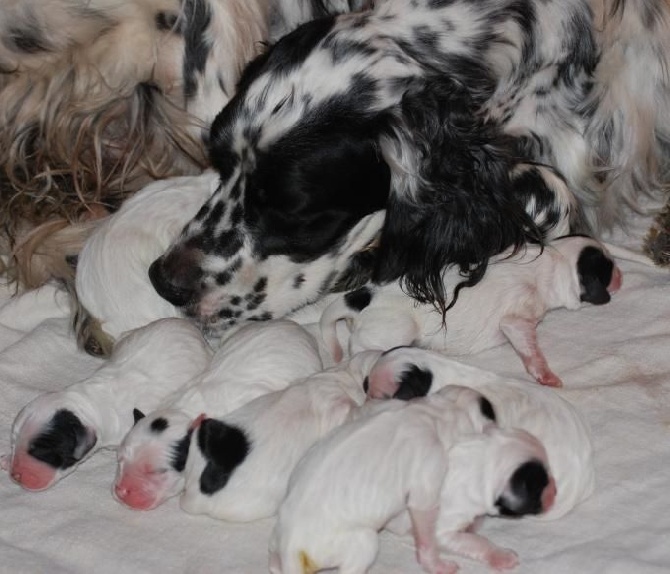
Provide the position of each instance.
(180, 452)
(138, 415)
(414, 382)
(595, 274)
(64, 441)
(196, 49)
(224, 447)
(167, 22)
(359, 299)
(487, 409)
(526, 485)
(159, 425)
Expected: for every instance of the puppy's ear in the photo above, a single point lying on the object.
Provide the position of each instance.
(414, 382)
(63, 442)
(595, 274)
(523, 493)
(138, 415)
(486, 408)
(224, 447)
(452, 200)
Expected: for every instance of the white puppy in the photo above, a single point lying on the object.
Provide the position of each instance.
(112, 281)
(501, 472)
(238, 467)
(506, 305)
(391, 459)
(257, 359)
(58, 430)
(408, 372)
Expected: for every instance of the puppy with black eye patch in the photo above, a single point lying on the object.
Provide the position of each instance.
(506, 305)
(409, 372)
(500, 472)
(348, 487)
(56, 431)
(238, 466)
(257, 359)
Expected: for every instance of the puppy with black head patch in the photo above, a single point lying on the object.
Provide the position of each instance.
(257, 359)
(409, 372)
(393, 458)
(55, 432)
(499, 472)
(506, 305)
(238, 466)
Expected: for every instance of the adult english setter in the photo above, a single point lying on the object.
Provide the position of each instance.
(424, 133)
(98, 97)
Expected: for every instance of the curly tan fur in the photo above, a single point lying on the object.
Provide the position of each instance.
(92, 108)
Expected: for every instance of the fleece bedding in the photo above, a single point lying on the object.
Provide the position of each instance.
(614, 361)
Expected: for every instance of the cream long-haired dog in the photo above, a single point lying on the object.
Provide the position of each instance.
(99, 97)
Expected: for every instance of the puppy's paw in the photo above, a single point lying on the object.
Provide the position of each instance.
(502, 559)
(549, 379)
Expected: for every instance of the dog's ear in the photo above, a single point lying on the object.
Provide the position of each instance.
(595, 274)
(452, 200)
(63, 442)
(138, 415)
(224, 447)
(312, 186)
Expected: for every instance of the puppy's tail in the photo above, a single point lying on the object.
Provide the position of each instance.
(87, 329)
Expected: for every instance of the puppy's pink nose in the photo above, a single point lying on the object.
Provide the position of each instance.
(617, 280)
(549, 495)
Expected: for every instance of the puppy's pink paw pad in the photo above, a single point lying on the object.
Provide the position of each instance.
(549, 380)
(502, 559)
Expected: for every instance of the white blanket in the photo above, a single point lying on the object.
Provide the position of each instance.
(613, 359)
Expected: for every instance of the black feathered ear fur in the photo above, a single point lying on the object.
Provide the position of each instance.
(452, 201)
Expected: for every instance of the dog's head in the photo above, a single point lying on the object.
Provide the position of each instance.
(300, 183)
(593, 268)
(521, 479)
(51, 436)
(400, 373)
(152, 458)
(304, 164)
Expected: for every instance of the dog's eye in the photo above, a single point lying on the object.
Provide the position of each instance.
(159, 471)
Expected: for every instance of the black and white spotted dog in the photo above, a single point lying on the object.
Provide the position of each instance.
(506, 305)
(437, 113)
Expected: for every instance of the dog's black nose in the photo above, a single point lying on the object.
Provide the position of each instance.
(175, 278)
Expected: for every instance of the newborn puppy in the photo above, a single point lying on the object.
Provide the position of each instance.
(349, 485)
(112, 281)
(257, 359)
(408, 372)
(238, 466)
(506, 305)
(500, 472)
(58, 430)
